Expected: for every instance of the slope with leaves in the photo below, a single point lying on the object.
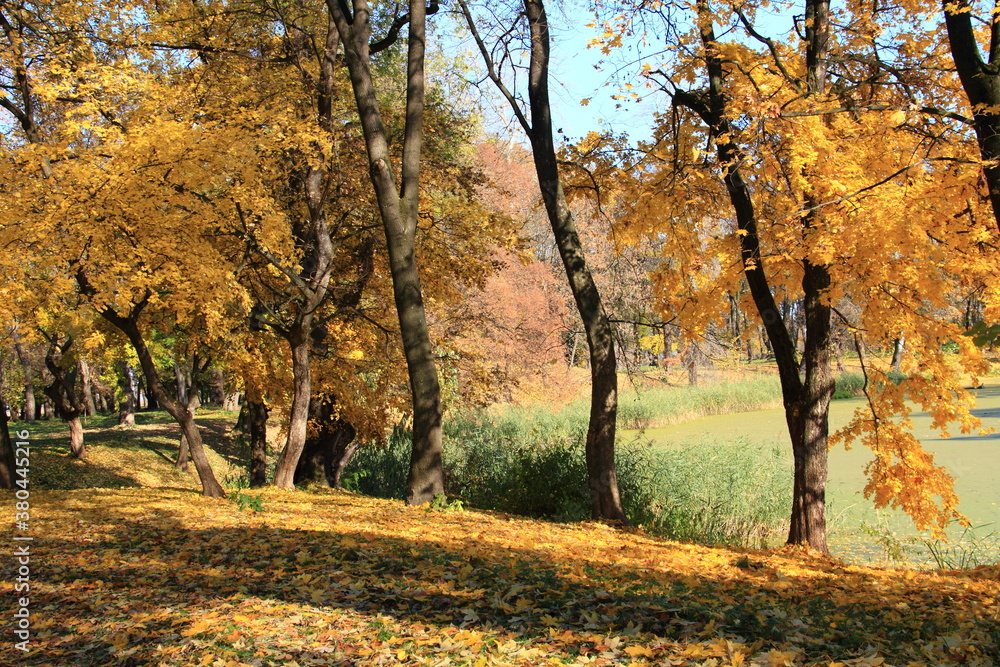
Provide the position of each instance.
(142, 576)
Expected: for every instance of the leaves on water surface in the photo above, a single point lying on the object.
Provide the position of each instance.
(165, 577)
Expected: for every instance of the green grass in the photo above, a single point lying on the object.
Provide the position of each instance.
(857, 531)
(119, 457)
(650, 407)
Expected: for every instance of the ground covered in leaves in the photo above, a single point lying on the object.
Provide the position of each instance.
(166, 577)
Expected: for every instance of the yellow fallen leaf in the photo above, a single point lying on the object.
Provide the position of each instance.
(636, 651)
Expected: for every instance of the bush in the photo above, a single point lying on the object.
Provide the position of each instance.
(848, 385)
(381, 471)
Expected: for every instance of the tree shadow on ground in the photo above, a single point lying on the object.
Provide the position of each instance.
(168, 575)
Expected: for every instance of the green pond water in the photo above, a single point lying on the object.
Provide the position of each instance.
(858, 532)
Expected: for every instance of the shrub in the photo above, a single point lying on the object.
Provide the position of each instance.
(848, 385)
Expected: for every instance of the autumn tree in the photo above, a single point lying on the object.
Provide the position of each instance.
(399, 203)
(976, 65)
(83, 233)
(764, 174)
(536, 122)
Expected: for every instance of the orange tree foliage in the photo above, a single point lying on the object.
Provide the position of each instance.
(512, 333)
(160, 576)
(175, 161)
(892, 172)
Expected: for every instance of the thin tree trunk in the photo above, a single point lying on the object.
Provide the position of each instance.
(399, 217)
(129, 326)
(600, 444)
(298, 421)
(345, 460)
(88, 393)
(312, 281)
(30, 406)
(897, 353)
(126, 411)
(806, 402)
(257, 418)
(62, 392)
(151, 402)
(8, 463)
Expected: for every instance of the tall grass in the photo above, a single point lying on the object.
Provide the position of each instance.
(725, 493)
(664, 406)
(530, 461)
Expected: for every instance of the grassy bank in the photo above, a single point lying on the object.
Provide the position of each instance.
(530, 461)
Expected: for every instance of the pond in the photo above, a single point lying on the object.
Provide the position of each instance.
(858, 532)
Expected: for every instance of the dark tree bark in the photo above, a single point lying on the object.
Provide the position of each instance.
(217, 387)
(30, 407)
(330, 447)
(8, 464)
(600, 443)
(151, 402)
(62, 392)
(399, 218)
(128, 324)
(312, 283)
(981, 82)
(257, 426)
(806, 401)
(192, 401)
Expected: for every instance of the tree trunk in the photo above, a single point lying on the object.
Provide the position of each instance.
(151, 402)
(129, 326)
(231, 403)
(298, 420)
(257, 420)
(897, 352)
(76, 445)
(30, 406)
(329, 448)
(600, 444)
(8, 462)
(126, 411)
(88, 393)
(691, 363)
(806, 402)
(809, 447)
(981, 82)
(180, 377)
(62, 392)
(399, 217)
(191, 402)
(217, 387)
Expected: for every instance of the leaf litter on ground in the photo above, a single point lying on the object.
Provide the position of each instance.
(167, 577)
